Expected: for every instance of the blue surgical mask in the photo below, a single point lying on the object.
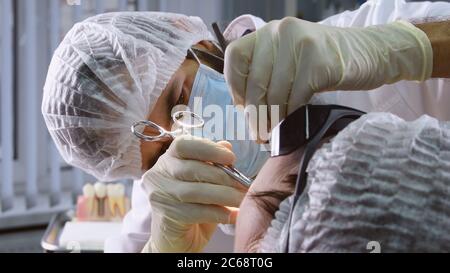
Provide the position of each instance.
(211, 100)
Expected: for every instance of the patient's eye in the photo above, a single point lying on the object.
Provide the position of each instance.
(269, 201)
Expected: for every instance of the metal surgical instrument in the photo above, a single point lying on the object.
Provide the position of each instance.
(185, 120)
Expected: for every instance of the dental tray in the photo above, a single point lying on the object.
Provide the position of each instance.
(64, 235)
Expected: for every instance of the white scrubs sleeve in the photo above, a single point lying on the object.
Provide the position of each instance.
(406, 99)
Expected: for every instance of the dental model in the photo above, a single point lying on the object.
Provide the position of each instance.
(116, 199)
(89, 195)
(100, 193)
(102, 202)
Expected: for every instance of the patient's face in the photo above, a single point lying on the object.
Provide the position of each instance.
(278, 175)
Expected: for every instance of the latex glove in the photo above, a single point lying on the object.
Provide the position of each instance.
(285, 62)
(190, 197)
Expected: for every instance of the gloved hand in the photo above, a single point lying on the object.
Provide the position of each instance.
(285, 62)
(190, 197)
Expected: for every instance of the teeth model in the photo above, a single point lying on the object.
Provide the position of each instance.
(89, 194)
(116, 198)
(100, 193)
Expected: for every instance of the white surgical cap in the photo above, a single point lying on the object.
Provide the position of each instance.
(107, 74)
(382, 181)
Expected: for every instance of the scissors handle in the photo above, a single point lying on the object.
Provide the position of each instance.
(162, 133)
(198, 123)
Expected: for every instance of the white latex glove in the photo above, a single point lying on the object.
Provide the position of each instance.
(285, 62)
(190, 197)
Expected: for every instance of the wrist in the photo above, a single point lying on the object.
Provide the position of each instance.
(424, 50)
(385, 54)
(439, 36)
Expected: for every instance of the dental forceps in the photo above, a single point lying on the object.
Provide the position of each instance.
(215, 60)
(185, 120)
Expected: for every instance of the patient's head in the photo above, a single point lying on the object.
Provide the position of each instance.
(380, 182)
(274, 183)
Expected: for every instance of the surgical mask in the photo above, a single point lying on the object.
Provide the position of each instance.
(211, 100)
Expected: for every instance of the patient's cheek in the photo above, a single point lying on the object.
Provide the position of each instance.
(251, 226)
(253, 220)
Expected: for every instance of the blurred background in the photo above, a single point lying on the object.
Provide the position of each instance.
(35, 183)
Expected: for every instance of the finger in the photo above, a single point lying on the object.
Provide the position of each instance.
(261, 64)
(259, 77)
(284, 69)
(188, 213)
(304, 80)
(196, 171)
(200, 193)
(236, 67)
(311, 71)
(190, 147)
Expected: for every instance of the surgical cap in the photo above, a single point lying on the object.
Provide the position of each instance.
(107, 73)
(382, 181)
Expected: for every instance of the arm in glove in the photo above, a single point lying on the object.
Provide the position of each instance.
(190, 197)
(287, 61)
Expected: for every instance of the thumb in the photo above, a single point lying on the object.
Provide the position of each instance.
(195, 148)
(226, 144)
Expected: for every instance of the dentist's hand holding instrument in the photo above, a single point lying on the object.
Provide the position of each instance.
(189, 197)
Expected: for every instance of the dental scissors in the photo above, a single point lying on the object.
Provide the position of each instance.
(185, 121)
